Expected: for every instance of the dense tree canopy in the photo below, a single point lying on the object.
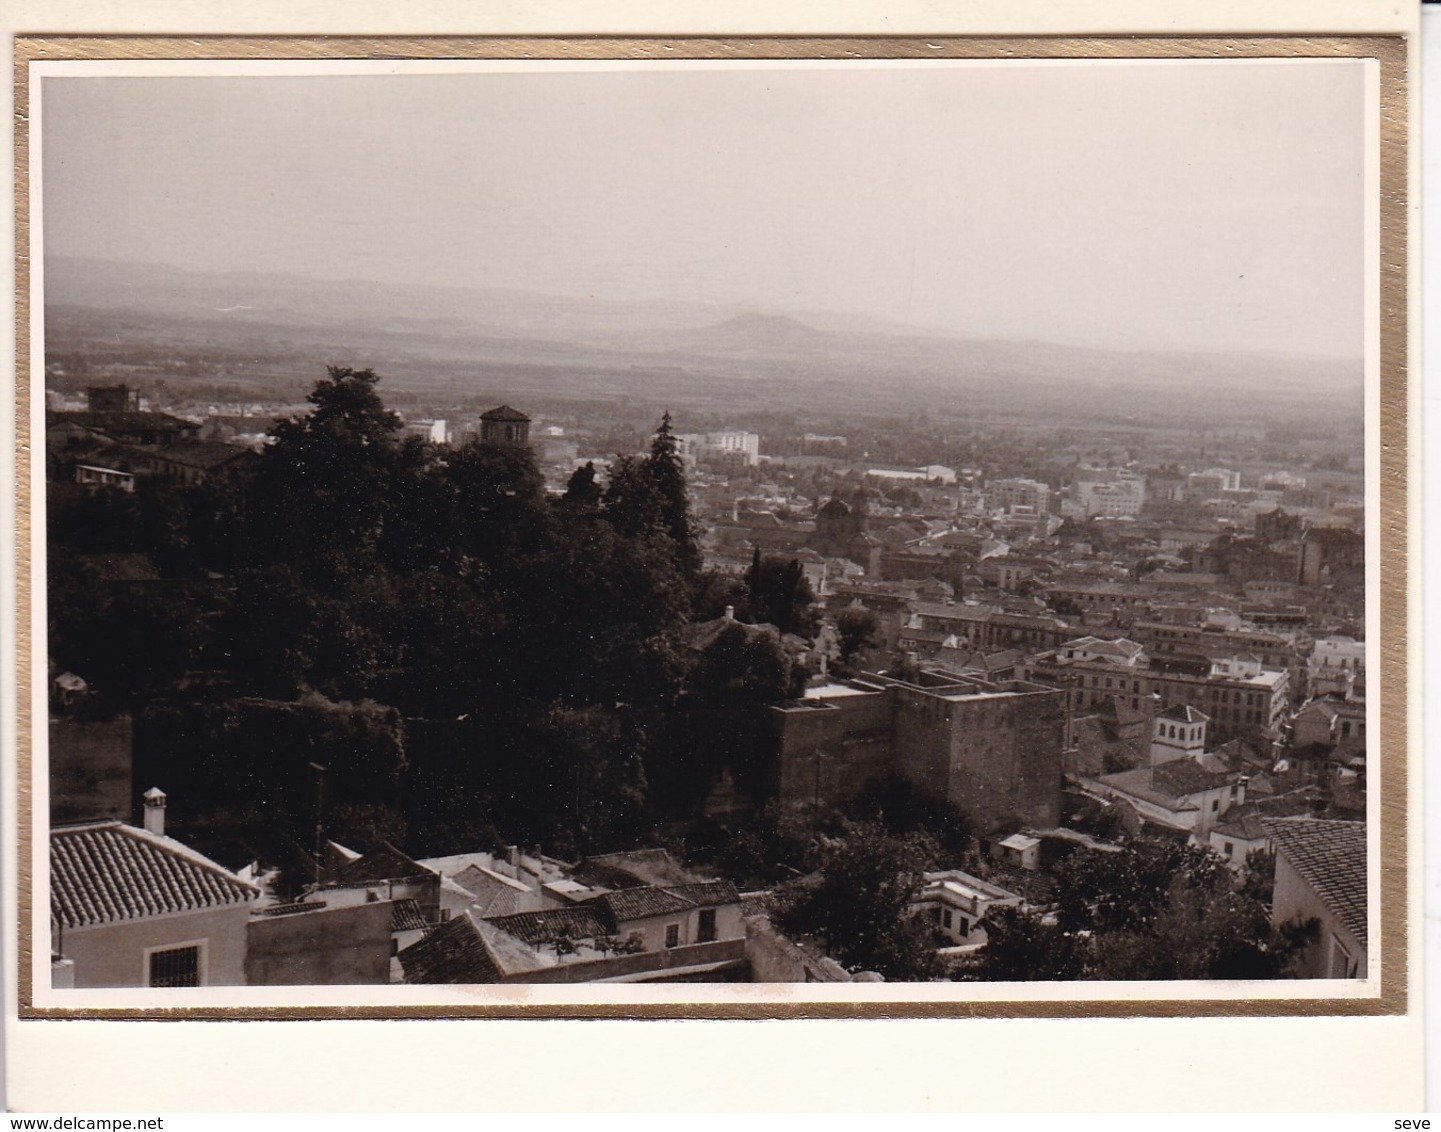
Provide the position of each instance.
(859, 902)
(1147, 912)
(535, 642)
(780, 595)
(857, 630)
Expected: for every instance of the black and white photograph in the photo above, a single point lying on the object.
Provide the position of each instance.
(825, 530)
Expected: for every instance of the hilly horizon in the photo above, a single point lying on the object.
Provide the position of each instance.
(737, 344)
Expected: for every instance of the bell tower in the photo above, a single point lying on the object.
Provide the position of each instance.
(1178, 733)
(505, 425)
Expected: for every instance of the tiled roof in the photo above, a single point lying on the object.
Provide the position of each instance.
(203, 454)
(503, 413)
(132, 420)
(1147, 784)
(499, 902)
(1185, 776)
(635, 867)
(478, 879)
(703, 635)
(1243, 825)
(639, 903)
(385, 863)
(107, 872)
(707, 894)
(1036, 888)
(295, 908)
(405, 916)
(1184, 713)
(454, 952)
(581, 922)
(1330, 856)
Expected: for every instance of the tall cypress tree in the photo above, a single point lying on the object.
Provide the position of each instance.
(666, 472)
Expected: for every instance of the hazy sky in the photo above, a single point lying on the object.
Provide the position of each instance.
(1184, 203)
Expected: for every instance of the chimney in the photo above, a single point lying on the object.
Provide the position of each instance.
(1241, 785)
(155, 811)
(512, 856)
(730, 613)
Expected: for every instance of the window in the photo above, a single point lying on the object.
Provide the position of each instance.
(706, 931)
(672, 935)
(1215, 804)
(946, 917)
(1229, 848)
(174, 967)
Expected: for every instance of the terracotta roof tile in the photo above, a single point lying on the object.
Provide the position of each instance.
(1185, 776)
(108, 872)
(130, 420)
(405, 916)
(203, 454)
(453, 952)
(503, 413)
(1330, 856)
(1184, 713)
(706, 894)
(640, 903)
(633, 868)
(580, 922)
(385, 863)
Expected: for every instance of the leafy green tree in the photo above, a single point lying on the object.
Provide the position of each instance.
(631, 503)
(323, 490)
(105, 521)
(905, 809)
(1145, 913)
(364, 826)
(1258, 879)
(445, 638)
(582, 490)
(857, 629)
(1021, 946)
(1120, 890)
(280, 637)
(584, 780)
(774, 846)
(499, 504)
(421, 525)
(715, 591)
(860, 903)
(592, 619)
(781, 596)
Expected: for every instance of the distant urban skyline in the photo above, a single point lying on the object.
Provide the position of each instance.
(1189, 205)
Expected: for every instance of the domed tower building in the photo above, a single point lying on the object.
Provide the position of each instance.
(505, 425)
(838, 526)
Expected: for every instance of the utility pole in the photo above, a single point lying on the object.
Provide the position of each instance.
(319, 815)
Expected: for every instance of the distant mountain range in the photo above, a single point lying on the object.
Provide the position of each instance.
(865, 356)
